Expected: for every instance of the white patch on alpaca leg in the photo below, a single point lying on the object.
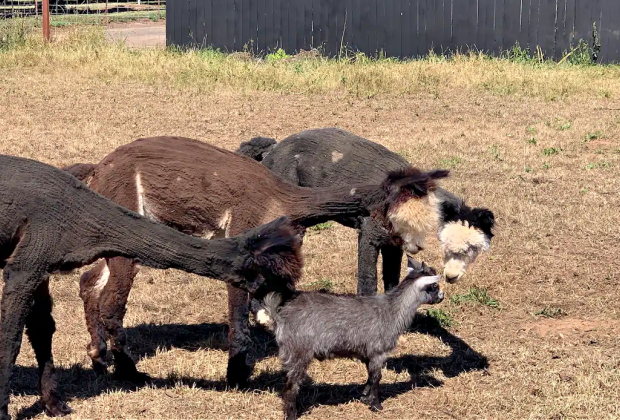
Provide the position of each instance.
(140, 193)
(102, 280)
(225, 222)
(414, 219)
(336, 156)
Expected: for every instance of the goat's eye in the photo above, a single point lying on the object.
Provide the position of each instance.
(433, 287)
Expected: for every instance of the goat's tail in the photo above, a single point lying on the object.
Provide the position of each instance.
(257, 148)
(81, 171)
(268, 314)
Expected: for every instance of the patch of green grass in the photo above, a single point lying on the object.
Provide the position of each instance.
(565, 126)
(584, 191)
(494, 150)
(528, 169)
(451, 162)
(598, 165)
(593, 136)
(279, 54)
(443, 318)
(546, 166)
(531, 130)
(550, 151)
(322, 284)
(533, 141)
(14, 33)
(321, 226)
(476, 295)
(550, 312)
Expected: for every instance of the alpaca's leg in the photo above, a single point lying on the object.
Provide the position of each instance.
(17, 296)
(296, 372)
(374, 377)
(91, 286)
(392, 257)
(40, 328)
(367, 256)
(113, 306)
(239, 340)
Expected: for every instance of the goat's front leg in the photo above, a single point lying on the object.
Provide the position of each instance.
(240, 366)
(371, 391)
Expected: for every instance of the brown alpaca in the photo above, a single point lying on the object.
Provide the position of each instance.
(52, 223)
(209, 192)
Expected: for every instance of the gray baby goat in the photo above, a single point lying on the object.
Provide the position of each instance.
(315, 325)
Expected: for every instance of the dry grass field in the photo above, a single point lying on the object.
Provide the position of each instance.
(531, 332)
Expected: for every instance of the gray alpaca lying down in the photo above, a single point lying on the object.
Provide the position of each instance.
(315, 325)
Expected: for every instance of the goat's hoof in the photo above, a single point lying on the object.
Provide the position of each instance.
(135, 377)
(57, 409)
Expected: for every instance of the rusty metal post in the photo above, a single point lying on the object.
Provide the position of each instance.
(46, 19)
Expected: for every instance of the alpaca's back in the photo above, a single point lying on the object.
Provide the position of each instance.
(331, 157)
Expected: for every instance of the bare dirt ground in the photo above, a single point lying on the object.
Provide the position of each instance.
(139, 34)
(550, 170)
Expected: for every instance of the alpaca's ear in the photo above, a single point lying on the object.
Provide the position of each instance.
(485, 219)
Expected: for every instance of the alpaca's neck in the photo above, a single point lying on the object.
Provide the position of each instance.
(159, 246)
(404, 301)
(311, 206)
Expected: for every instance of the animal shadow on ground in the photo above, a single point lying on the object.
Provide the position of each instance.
(147, 339)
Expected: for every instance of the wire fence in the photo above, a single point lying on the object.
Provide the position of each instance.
(96, 9)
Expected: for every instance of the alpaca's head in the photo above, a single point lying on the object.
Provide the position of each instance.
(426, 281)
(413, 209)
(257, 148)
(464, 234)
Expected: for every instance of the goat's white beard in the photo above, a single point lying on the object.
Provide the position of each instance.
(414, 219)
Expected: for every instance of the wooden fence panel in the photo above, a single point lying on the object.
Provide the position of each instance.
(399, 28)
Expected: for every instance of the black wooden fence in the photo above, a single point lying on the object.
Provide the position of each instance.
(398, 28)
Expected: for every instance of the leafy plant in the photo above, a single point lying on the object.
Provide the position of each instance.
(532, 141)
(546, 166)
(279, 54)
(451, 162)
(321, 226)
(476, 295)
(321, 284)
(550, 151)
(528, 169)
(593, 136)
(550, 312)
(443, 318)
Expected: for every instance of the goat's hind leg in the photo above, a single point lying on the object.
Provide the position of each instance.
(295, 374)
(371, 391)
(40, 328)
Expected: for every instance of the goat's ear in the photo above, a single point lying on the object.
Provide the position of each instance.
(413, 265)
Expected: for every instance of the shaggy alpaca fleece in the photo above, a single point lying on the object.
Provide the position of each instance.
(458, 237)
(414, 219)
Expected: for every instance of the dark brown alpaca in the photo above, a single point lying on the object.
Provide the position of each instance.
(52, 223)
(209, 192)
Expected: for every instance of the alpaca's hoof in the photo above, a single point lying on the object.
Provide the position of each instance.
(100, 368)
(376, 406)
(57, 409)
(238, 372)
